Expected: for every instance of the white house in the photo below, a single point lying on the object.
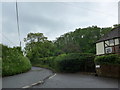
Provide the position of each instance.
(109, 43)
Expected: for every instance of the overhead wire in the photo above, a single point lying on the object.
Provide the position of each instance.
(92, 10)
(17, 18)
(5, 37)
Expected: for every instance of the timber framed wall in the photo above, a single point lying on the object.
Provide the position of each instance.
(110, 46)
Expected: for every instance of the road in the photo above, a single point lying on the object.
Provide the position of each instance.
(78, 81)
(26, 79)
(57, 80)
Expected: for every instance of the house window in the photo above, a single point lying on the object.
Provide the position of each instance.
(111, 42)
(108, 50)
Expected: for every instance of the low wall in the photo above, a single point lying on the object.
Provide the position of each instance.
(109, 71)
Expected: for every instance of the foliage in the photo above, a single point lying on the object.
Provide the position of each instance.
(73, 62)
(66, 49)
(13, 61)
(108, 59)
(37, 46)
(46, 62)
(82, 40)
(116, 25)
(0, 50)
(0, 66)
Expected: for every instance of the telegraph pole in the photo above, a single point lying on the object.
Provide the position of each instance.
(17, 16)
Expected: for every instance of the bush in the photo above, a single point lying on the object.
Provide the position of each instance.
(108, 59)
(46, 62)
(74, 62)
(13, 61)
(0, 66)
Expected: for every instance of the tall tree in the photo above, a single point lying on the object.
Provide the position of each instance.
(37, 46)
(81, 40)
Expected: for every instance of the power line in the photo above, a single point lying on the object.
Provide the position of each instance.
(93, 10)
(9, 40)
(18, 22)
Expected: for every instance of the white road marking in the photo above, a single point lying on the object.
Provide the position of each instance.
(52, 76)
(26, 87)
(34, 84)
(39, 82)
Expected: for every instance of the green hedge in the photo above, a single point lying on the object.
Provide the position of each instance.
(13, 61)
(108, 59)
(0, 66)
(75, 62)
(47, 62)
(72, 62)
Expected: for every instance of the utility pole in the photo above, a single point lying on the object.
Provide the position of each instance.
(17, 16)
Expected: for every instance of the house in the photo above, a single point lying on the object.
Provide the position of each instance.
(109, 43)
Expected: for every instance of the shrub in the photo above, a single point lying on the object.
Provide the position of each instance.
(46, 62)
(13, 61)
(108, 59)
(74, 62)
(0, 66)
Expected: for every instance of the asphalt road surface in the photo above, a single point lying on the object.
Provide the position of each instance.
(78, 81)
(33, 78)
(26, 79)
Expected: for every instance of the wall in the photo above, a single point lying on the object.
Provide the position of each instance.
(117, 41)
(100, 48)
(109, 71)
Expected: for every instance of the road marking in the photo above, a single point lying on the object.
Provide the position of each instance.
(26, 87)
(52, 76)
(34, 84)
(39, 82)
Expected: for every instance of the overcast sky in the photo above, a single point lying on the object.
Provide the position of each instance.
(54, 19)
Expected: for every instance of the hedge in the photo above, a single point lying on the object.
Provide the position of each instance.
(109, 65)
(46, 62)
(113, 59)
(0, 66)
(73, 62)
(13, 61)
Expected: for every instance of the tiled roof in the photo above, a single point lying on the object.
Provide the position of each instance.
(114, 33)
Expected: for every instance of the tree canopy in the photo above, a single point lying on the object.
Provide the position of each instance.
(81, 40)
(37, 46)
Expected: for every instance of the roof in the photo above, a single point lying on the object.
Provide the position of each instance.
(114, 33)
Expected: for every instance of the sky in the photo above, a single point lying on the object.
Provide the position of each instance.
(54, 18)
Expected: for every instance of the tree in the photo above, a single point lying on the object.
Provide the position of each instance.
(37, 46)
(81, 40)
(35, 37)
